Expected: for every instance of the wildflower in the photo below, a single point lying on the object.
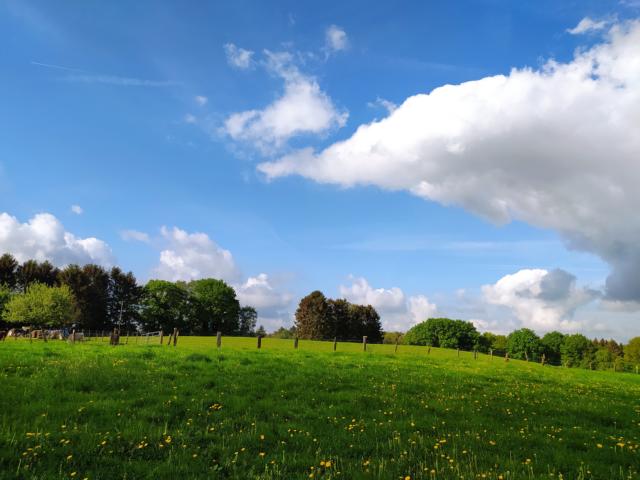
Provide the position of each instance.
(599, 445)
(261, 454)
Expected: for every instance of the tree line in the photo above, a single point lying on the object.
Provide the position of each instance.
(569, 350)
(90, 297)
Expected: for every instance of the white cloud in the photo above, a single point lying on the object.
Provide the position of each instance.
(557, 148)
(397, 312)
(201, 100)
(303, 108)
(191, 256)
(190, 118)
(336, 39)
(77, 209)
(588, 25)
(135, 235)
(383, 103)
(43, 237)
(238, 57)
(540, 299)
(272, 303)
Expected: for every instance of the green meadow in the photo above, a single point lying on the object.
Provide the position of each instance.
(92, 411)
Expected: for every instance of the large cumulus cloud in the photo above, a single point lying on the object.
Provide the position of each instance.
(556, 147)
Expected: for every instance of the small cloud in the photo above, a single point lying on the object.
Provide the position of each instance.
(336, 39)
(134, 235)
(587, 25)
(201, 100)
(238, 57)
(388, 105)
(77, 209)
(189, 118)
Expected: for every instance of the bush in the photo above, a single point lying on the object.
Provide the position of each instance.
(444, 332)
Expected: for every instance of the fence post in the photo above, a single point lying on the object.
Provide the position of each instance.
(491, 353)
(526, 355)
(429, 350)
(364, 343)
(475, 354)
(219, 339)
(543, 359)
(127, 340)
(259, 341)
(295, 343)
(458, 350)
(506, 357)
(335, 343)
(73, 336)
(161, 336)
(397, 341)
(175, 336)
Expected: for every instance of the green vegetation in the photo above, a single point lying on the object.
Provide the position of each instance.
(41, 305)
(135, 411)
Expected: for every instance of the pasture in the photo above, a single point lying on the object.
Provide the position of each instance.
(92, 411)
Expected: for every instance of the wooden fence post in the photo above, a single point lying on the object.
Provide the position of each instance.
(526, 355)
(364, 343)
(335, 343)
(175, 336)
(73, 336)
(397, 341)
(543, 359)
(429, 350)
(491, 353)
(458, 350)
(475, 354)
(219, 339)
(506, 357)
(295, 343)
(127, 340)
(259, 341)
(161, 336)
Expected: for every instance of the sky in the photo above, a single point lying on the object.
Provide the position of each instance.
(470, 159)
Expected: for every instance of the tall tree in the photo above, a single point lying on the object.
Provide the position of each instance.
(215, 306)
(90, 286)
(444, 332)
(577, 351)
(311, 317)
(341, 320)
(632, 350)
(8, 271)
(164, 306)
(33, 272)
(552, 347)
(365, 321)
(247, 317)
(123, 303)
(524, 343)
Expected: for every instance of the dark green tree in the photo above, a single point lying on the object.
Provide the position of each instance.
(445, 333)
(552, 347)
(123, 301)
(522, 343)
(215, 307)
(247, 318)
(340, 321)
(90, 286)
(8, 271)
(632, 351)
(164, 306)
(261, 332)
(312, 317)
(33, 272)
(577, 351)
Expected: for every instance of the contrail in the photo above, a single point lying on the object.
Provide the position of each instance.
(58, 67)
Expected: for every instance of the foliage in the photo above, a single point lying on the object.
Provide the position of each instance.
(123, 300)
(8, 268)
(311, 317)
(444, 332)
(215, 307)
(247, 318)
(165, 306)
(5, 296)
(32, 271)
(42, 305)
(552, 347)
(577, 350)
(284, 333)
(393, 337)
(524, 343)
(632, 350)
(261, 332)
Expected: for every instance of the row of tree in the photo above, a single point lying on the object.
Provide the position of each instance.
(92, 298)
(573, 350)
(322, 318)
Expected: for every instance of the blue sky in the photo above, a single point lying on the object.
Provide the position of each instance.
(122, 109)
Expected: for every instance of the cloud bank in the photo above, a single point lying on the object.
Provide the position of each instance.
(555, 147)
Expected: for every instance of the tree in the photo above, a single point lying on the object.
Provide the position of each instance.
(5, 296)
(164, 306)
(577, 350)
(261, 332)
(33, 272)
(524, 343)
(8, 268)
(90, 285)
(311, 317)
(365, 321)
(632, 350)
(216, 307)
(42, 305)
(445, 333)
(247, 317)
(123, 299)
(393, 337)
(340, 321)
(285, 333)
(552, 347)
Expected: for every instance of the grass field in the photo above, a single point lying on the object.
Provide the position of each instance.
(137, 411)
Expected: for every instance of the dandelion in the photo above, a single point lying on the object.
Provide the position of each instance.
(599, 445)
(262, 454)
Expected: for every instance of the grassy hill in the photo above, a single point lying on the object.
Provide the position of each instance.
(149, 411)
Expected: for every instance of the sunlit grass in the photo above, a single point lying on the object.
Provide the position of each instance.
(193, 411)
